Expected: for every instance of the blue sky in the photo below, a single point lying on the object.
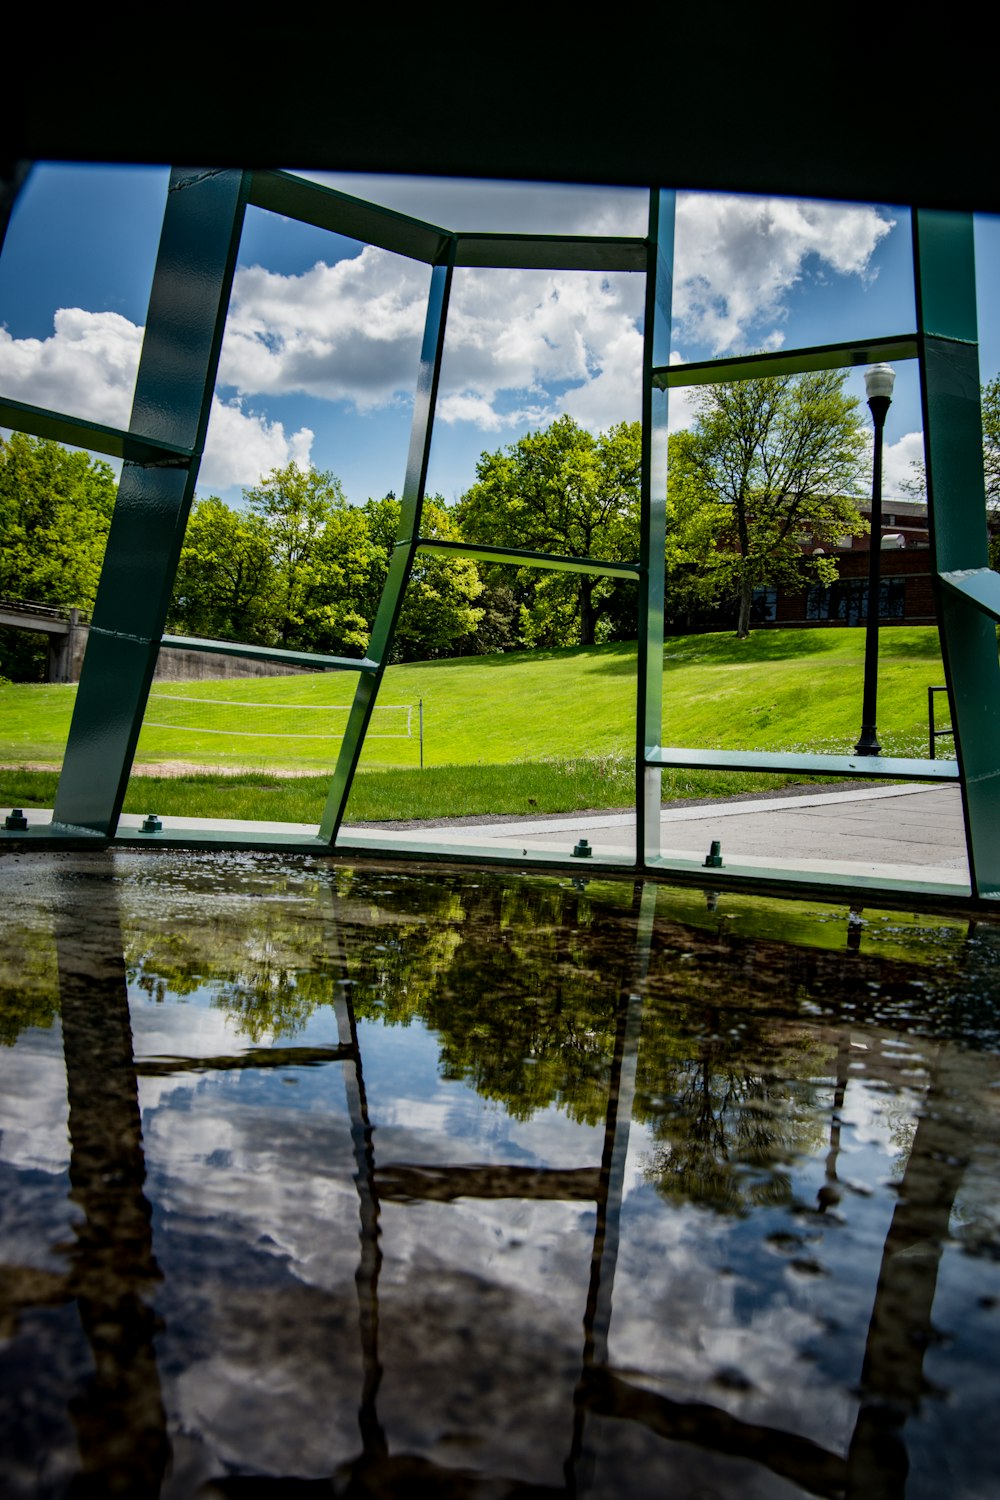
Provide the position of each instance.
(320, 352)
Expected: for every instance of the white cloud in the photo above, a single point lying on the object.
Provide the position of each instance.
(522, 346)
(469, 408)
(613, 392)
(241, 446)
(737, 258)
(520, 332)
(898, 460)
(86, 367)
(349, 331)
(352, 332)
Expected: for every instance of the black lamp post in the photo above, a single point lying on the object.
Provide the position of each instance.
(878, 383)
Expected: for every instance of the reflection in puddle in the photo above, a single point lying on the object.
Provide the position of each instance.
(484, 1185)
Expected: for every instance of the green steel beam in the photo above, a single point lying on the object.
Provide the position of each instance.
(944, 268)
(80, 433)
(180, 354)
(540, 252)
(271, 653)
(312, 203)
(653, 522)
(401, 562)
(787, 361)
(373, 224)
(166, 436)
(559, 562)
(614, 1160)
(879, 767)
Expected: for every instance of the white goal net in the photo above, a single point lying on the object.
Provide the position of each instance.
(248, 721)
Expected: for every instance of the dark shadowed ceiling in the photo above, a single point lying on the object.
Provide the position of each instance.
(839, 102)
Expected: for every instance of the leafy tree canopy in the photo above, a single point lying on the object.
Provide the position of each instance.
(439, 609)
(296, 506)
(225, 581)
(55, 512)
(782, 457)
(303, 569)
(566, 491)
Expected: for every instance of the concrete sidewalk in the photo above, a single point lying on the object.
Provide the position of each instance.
(900, 832)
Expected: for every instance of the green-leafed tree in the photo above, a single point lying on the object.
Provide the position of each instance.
(349, 561)
(55, 512)
(696, 521)
(563, 490)
(439, 608)
(782, 456)
(225, 585)
(254, 575)
(296, 506)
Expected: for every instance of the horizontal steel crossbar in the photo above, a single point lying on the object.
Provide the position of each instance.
(271, 653)
(538, 252)
(981, 585)
(883, 767)
(326, 208)
(374, 224)
(59, 427)
(256, 1057)
(787, 362)
(405, 1182)
(557, 561)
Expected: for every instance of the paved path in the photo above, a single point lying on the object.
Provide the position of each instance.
(897, 832)
(901, 832)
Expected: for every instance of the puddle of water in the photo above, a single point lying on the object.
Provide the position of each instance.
(474, 1184)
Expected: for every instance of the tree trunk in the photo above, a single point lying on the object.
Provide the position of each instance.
(588, 618)
(746, 600)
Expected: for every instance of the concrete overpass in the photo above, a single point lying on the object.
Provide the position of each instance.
(67, 631)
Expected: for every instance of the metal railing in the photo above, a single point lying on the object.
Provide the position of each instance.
(41, 611)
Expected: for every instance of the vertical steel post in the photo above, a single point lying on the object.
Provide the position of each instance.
(868, 739)
(944, 272)
(401, 563)
(119, 1416)
(607, 1225)
(173, 395)
(653, 517)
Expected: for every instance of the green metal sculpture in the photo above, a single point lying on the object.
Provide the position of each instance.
(163, 446)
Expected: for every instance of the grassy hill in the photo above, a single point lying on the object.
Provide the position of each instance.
(777, 689)
(569, 712)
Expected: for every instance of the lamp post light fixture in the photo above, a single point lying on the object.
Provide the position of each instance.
(878, 383)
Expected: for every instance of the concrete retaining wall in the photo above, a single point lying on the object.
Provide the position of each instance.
(176, 665)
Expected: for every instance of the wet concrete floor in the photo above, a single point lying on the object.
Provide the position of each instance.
(320, 1180)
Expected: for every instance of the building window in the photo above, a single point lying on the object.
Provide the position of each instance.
(848, 601)
(764, 606)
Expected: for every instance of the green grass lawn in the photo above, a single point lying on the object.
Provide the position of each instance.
(779, 689)
(527, 789)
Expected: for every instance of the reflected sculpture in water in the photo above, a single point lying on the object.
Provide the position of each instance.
(383, 1184)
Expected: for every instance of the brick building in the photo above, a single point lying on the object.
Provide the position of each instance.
(906, 594)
